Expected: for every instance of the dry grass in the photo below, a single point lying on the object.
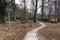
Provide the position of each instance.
(18, 30)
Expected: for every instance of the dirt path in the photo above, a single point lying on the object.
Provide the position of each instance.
(32, 35)
(50, 32)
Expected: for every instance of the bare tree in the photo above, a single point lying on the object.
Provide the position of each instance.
(14, 7)
(42, 9)
(3, 5)
(49, 5)
(55, 12)
(57, 9)
(35, 13)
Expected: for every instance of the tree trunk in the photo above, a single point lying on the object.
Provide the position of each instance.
(55, 12)
(2, 11)
(3, 5)
(49, 10)
(42, 9)
(14, 14)
(35, 14)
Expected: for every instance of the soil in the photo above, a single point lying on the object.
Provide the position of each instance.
(50, 32)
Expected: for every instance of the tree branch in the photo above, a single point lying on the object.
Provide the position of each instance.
(46, 3)
(8, 3)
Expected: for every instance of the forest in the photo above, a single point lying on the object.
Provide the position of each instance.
(48, 9)
(18, 17)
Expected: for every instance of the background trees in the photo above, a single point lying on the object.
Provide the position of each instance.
(3, 5)
(31, 8)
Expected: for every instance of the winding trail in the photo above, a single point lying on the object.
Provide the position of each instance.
(32, 35)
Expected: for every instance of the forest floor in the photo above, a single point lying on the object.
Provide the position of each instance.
(50, 32)
(18, 29)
